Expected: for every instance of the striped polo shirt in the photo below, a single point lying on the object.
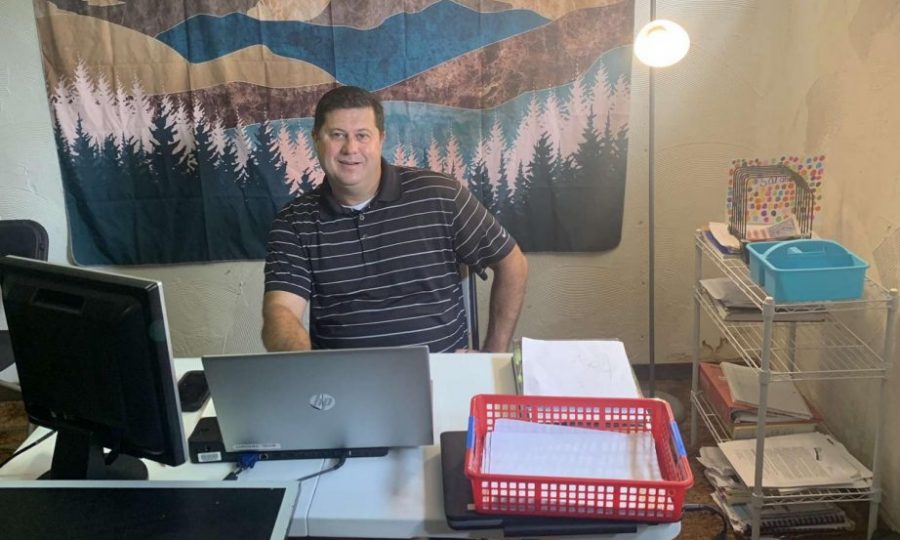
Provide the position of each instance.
(386, 275)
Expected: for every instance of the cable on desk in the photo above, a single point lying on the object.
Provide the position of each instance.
(714, 510)
(245, 461)
(29, 447)
(248, 460)
(337, 465)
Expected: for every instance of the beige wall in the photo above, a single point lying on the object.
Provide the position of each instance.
(763, 78)
(769, 78)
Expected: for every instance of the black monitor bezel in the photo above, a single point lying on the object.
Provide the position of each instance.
(149, 294)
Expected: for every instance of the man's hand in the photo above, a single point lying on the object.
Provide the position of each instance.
(282, 322)
(507, 295)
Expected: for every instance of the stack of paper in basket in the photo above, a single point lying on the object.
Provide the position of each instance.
(586, 368)
(797, 456)
(526, 448)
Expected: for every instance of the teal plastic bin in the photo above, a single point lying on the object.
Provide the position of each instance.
(807, 270)
(755, 252)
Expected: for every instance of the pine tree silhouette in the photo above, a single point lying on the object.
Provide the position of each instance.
(596, 193)
(269, 172)
(168, 173)
(306, 182)
(266, 189)
(480, 185)
(540, 204)
(503, 204)
(84, 162)
(85, 191)
(62, 153)
(205, 153)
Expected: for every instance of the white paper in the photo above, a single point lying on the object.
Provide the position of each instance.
(534, 449)
(726, 292)
(712, 458)
(720, 232)
(803, 459)
(591, 368)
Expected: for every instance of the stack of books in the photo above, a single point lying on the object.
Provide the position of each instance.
(787, 411)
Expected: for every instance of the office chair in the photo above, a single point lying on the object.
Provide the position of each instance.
(470, 302)
(24, 238)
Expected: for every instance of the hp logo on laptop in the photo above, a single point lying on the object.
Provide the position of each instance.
(321, 402)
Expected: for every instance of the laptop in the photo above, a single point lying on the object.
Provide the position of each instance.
(326, 400)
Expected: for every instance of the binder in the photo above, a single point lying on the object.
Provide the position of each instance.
(714, 386)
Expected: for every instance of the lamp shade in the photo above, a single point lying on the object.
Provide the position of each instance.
(661, 43)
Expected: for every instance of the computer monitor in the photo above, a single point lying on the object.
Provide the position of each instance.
(94, 362)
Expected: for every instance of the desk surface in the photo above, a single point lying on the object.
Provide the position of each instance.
(396, 496)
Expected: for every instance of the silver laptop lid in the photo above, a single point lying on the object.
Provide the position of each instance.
(324, 399)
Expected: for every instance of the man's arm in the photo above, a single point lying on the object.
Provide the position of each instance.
(507, 294)
(282, 322)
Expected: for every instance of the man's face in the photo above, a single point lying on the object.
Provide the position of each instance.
(349, 147)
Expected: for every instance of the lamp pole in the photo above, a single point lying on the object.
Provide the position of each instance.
(651, 257)
(660, 43)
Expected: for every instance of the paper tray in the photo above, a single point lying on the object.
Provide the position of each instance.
(633, 500)
(460, 516)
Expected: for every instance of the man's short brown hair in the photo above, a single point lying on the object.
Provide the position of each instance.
(347, 97)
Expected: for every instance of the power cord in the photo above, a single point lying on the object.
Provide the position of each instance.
(248, 460)
(337, 465)
(714, 510)
(29, 447)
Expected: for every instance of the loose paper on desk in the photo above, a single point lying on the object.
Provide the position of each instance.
(591, 368)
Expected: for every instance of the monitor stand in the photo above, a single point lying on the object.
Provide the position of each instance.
(78, 456)
(205, 446)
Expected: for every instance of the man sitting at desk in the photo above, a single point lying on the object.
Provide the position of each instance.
(376, 248)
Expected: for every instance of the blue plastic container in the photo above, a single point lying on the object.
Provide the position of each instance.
(755, 251)
(807, 270)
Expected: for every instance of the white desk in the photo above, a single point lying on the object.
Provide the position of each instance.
(396, 496)
(36, 461)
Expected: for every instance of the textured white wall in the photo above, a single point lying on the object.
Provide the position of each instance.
(30, 185)
(847, 105)
(763, 78)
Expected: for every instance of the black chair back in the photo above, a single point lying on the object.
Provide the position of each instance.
(24, 238)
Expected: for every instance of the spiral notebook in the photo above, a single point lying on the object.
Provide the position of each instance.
(787, 518)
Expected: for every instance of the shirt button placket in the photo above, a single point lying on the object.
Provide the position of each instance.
(362, 236)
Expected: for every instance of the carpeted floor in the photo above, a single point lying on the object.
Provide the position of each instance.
(13, 427)
(695, 525)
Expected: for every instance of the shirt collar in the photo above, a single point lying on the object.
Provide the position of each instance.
(389, 190)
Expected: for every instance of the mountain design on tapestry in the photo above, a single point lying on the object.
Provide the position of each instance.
(180, 137)
(359, 57)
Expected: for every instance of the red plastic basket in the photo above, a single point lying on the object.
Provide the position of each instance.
(634, 500)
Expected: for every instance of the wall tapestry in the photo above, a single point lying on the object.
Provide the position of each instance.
(182, 127)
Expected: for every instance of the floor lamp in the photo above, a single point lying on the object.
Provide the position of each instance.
(660, 43)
